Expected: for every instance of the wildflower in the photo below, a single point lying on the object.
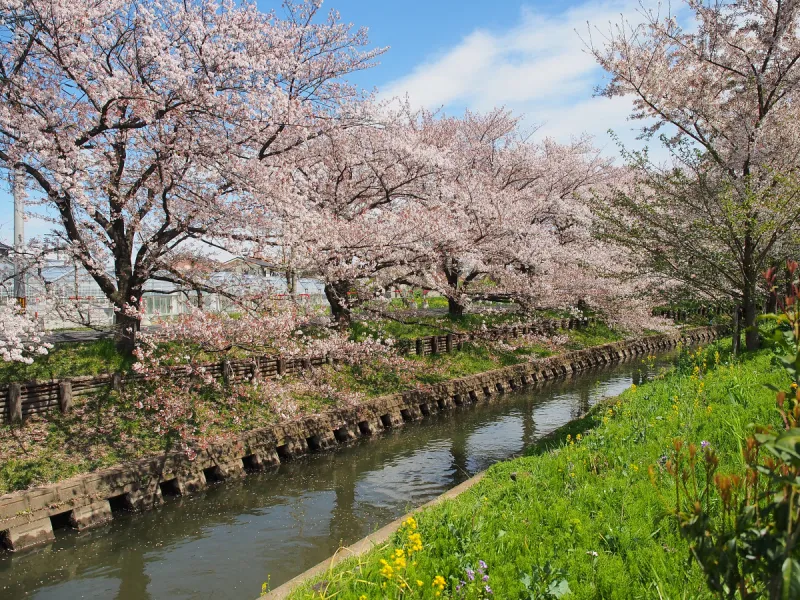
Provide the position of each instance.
(482, 565)
(633, 387)
(362, 597)
(578, 437)
(387, 570)
(420, 583)
(592, 553)
(439, 582)
(470, 574)
(704, 444)
(488, 589)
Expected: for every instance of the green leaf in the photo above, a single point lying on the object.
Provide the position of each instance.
(791, 579)
(559, 589)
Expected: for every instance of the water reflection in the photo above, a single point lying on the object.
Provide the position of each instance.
(224, 543)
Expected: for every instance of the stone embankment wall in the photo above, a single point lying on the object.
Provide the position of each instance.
(20, 400)
(27, 518)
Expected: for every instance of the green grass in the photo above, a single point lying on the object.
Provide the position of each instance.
(595, 334)
(415, 327)
(69, 360)
(567, 501)
(430, 369)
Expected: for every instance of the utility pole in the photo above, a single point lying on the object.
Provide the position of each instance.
(19, 236)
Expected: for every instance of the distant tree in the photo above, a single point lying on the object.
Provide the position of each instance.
(727, 92)
(146, 125)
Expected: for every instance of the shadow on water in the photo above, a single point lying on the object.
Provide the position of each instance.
(224, 542)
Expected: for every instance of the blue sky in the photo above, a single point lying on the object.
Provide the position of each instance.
(478, 54)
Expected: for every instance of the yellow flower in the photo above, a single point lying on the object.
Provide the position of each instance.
(399, 552)
(633, 387)
(362, 597)
(420, 583)
(794, 385)
(387, 570)
(578, 437)
(439, 582)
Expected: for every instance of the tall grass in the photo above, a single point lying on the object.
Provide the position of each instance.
(580, 512)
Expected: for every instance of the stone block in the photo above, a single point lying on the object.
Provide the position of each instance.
(231, 469)
(346, 433)
(28, 534)
(370, 426)
(262, 459)
(42, 498)
(191, 483)
(92, 515)
(321, 441)
(143, 498)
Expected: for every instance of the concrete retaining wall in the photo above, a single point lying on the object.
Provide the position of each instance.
(26, 518)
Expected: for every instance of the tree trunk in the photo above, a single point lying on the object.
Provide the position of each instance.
(126, 328)
(452, 272)
(454, 309)
(752, 340)
(737, 330)
(336, 293)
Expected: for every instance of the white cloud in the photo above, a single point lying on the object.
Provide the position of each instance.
(539, 68)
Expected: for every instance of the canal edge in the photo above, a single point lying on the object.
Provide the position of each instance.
(366, 543)
(89, 500)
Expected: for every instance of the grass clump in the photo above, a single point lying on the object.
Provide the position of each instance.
(586, 514)
(69, 359)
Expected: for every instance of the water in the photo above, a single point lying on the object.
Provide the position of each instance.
(224, 542)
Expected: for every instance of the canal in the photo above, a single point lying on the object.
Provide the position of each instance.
(226, 541)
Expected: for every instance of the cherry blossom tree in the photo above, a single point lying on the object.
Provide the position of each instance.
(142, 124)
(725, 92)
(514, 214)
(360, 216)
(20, 336)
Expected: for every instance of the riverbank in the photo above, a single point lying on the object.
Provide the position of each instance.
(580, 512)
(110, 427)
(88, 500)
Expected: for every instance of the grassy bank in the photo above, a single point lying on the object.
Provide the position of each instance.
(580, 513)
(110, 428)
(73, 359)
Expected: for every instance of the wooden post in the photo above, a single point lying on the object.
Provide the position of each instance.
(419, 347)
(227, 371)
(434, 344)
(14, 402)
(329, 359)
(116, 382)
(65, 396)
(307, 364)
(281, 365)
(449, 342)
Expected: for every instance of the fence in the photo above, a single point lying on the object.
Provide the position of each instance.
(21, 400)
(683, 313)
